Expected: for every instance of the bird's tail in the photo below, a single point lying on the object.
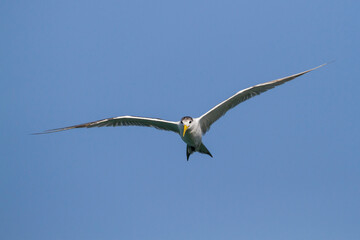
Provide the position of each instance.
(190, 150)
(204, 150)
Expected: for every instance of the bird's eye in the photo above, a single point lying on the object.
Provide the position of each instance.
(181, 122)
(190, 122)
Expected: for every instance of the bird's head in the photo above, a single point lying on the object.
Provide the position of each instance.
(186, 123)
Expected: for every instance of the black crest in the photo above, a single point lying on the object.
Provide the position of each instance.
(186, 118)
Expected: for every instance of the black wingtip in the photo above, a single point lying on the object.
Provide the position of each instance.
(35, 133)
(41, 133)
(57, 130)
(45, 132)
(324, 64)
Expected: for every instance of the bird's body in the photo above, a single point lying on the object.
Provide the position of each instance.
(190, 129)
(192, 136)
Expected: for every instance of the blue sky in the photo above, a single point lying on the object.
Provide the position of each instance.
(286, 163)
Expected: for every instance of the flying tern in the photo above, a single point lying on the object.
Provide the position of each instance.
(191, 130)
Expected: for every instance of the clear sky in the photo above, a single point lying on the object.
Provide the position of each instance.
(286, 163)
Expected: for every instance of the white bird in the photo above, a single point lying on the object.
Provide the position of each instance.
(190, 129)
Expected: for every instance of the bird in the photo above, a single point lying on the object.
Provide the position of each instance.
(191, 130)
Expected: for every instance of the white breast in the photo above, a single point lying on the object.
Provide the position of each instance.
(193, 134)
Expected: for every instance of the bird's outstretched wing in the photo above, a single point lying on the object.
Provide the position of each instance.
(124, 121)
(219, 110)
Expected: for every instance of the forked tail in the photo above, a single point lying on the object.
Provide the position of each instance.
(190, 150)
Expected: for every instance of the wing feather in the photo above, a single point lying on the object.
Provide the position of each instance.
(124, 121)
(207, 119)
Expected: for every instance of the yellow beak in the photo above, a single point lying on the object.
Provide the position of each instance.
(185, 128)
